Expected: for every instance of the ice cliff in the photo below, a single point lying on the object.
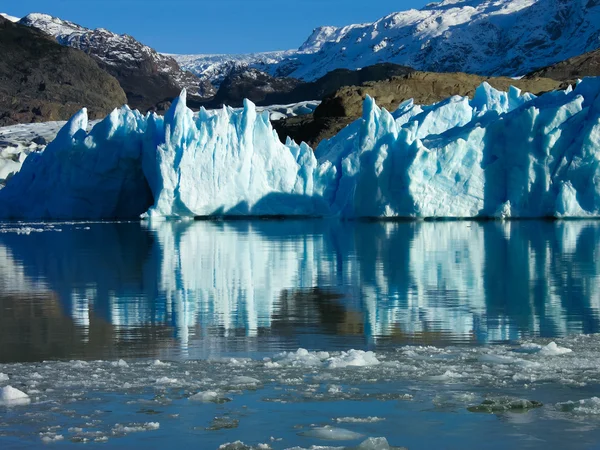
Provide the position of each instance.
(501, 154)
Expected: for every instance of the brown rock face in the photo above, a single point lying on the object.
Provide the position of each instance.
(586, 65)
(345, 105)
(424, 87)
(41, 80)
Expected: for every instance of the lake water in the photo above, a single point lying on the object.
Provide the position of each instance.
(294, 334)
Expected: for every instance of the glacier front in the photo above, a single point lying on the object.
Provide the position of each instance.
(501, 154)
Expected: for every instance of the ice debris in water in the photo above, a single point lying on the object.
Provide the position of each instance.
(239, 445)
(120, 363)
(331, 433)
(49, 437)
(135, 427)
(504, 404)
(209, 397)
(158, 362)
(359, 419)
(552, 349)
(244, 381)
(9, 396)
(302, 357)
(3, 377)
(166, 380)
(353, 358)
(498, 155)
(378, 443)
(588, 406)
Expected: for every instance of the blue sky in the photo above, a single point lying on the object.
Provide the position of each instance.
(216, 26)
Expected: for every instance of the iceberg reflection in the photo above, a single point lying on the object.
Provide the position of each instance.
(284, 284)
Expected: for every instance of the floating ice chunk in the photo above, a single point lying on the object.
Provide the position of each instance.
(158, 362)
(528, 347)
(3, 377)
(135, 427)
(244, 381)
(79, 364)
(209, 397)
(332, 434)
(554, 350)
(301, 357)
(588, 406)
(239, 445)
(119, 363)
(9, 396)
(48, 438)
(353, 358)
(447, 376)
(379, 443)
(166, 380)
(497, 359)
(359, 419)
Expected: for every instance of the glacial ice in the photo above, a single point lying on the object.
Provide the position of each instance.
(501, 154)
(10, 396)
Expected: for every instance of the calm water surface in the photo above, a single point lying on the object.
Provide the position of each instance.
(455, 313)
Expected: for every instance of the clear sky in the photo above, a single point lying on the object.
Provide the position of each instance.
(215, 26)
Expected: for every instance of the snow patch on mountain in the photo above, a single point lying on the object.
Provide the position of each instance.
(490, 37)
(486, 37)
(11, 18)
(217, 67)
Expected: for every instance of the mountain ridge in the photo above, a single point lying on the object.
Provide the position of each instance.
(148, 77)
(489, 37)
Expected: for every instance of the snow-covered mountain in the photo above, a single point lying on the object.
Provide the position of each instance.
(11, 18)
(487, 37)
(217, 67)
(141, 70)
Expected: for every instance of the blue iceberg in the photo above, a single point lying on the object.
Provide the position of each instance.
(501, 154)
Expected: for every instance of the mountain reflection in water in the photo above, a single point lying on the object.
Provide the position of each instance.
(199, 289)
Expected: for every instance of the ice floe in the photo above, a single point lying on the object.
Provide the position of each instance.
(10, 396)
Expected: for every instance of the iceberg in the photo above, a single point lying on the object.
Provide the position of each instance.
(498, 155)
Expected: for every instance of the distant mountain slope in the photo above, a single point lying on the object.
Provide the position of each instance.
(586, 65)
(41, 80)
(147, 76)
(217, 67)
(264, 89)
(486, 37)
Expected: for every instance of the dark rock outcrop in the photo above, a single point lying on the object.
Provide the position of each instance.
(41, 80)
(586, 65)
(264, 89)
(337, 79)
(257, 86)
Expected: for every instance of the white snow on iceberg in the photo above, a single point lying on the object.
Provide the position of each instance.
(497, 155)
